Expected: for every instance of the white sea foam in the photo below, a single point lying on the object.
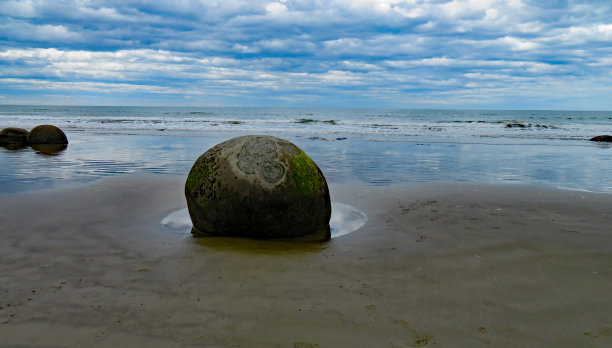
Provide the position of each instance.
(326, 123)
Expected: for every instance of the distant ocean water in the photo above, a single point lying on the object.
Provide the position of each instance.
(370, 124)
(373, 146)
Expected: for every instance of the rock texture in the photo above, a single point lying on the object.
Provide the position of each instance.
(260, 187)
(13, 138)
(604, 138)
(47, 134)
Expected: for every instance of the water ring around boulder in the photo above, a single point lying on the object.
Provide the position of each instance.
(344, 220)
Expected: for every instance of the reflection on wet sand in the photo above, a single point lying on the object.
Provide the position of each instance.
(41, 149)
(49, 149)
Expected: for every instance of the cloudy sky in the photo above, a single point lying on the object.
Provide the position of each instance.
(508, 54)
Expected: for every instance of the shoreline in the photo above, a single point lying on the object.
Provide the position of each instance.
(376, 163)
(435, 264)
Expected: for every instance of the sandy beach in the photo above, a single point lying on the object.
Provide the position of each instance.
(452, 264)
(466, 147)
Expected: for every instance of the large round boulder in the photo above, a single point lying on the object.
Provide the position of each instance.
(13, 138)
(258, 186)
(47, 134)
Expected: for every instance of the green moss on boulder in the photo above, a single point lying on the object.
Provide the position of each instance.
(260, 187)
(307, 176)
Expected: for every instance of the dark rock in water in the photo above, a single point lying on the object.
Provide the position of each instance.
(49, 149)
(604, 138)
(47, 134)
(305, 120)
(310, 120)
(13, 138)
(516, 125)
(260, 187)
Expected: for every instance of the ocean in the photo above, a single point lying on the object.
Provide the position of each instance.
(369, 146)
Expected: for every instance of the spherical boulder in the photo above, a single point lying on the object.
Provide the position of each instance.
(602, 138)
(260, 187)
(47, 134)
(13, 138)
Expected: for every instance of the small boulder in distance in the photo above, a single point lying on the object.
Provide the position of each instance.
(603, 138)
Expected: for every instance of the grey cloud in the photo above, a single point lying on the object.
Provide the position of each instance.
(391, 50)
(20, 30)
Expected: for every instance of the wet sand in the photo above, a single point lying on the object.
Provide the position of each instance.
(436, 264)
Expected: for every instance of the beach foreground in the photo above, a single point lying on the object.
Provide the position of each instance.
(452, 264)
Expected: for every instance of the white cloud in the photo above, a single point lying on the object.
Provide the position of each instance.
(436, 61)
(21, 30)
(19, 9)
(362, 66)
(583, 34)
(120, 65)
(244, 48)
(303, 47)
(86, 86)
(276, 8)
(518, 44)
(339, 77)
(106, 13)
(461, 8)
